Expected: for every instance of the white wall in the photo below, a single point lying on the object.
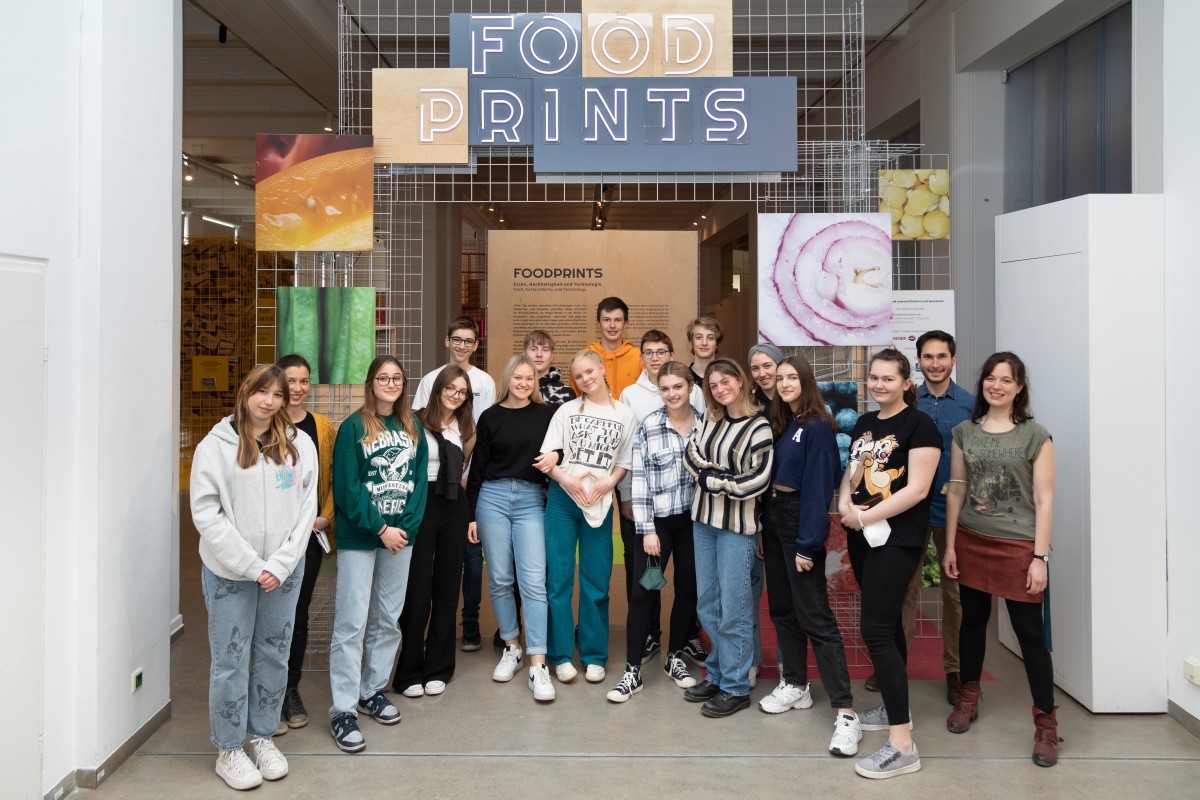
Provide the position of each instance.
(1181, 121)
(90, 165)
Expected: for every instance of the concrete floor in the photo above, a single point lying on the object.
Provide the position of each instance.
(481, 738)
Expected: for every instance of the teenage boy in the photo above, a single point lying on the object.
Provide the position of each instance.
(704, 337)
(622, 362)
(539, 348)
(644, 398)
(462, 340)
(948, 404)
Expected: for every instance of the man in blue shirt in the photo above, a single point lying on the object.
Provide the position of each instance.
(948, 404)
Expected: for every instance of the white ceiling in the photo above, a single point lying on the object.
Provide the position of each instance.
(277, 73)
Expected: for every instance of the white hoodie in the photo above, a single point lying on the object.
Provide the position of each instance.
(644, 398)
(252, 520)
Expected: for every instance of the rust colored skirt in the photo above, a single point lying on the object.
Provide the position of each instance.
(999, 567)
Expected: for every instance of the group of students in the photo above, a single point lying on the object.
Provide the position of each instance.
(728, 476)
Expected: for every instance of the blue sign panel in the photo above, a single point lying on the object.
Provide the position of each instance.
(517, 45)
(620, 125)
(500, 111)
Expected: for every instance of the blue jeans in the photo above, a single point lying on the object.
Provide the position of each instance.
(756, 590)
(250, 636)
(511, 519)
(371, 585)
(725, 604)
(566, 530)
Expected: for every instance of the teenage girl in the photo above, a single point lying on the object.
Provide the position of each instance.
(254, 499)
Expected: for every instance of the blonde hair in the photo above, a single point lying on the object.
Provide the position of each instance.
(594, 356)
(373, 426)
(278, 440)
(506, 378)
(727, 366)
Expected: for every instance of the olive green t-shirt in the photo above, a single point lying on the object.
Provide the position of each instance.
(1000, 478)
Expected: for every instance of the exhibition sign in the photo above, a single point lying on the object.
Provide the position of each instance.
(824, 279)
(914, 313)
(552, 280)
(613, 89)
(313, 192)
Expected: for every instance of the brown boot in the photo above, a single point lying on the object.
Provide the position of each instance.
(953, 682)
(966, 708)
(1045, 737)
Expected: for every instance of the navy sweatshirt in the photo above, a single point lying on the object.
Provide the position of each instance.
(806, 460)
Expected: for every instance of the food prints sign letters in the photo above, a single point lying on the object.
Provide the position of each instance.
(594, 441)
(622, 86)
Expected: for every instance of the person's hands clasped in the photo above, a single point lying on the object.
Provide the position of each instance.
(394, 539)
(268, 582)
(604, 485)
(852, 516)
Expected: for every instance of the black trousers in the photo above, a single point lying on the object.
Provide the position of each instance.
(308, 582)
(883, 574)
(675, 538)
(631, 543)
(799, 603)
(1028, 625)
(427, 623)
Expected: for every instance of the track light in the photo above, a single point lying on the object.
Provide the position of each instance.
(216, 221)
(328, 122)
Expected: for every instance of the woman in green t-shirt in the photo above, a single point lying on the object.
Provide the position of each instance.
(999, 507)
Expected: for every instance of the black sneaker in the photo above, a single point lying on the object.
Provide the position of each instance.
(380, 709)
(652, 647)
(677, 671)
(629, 685)
(725, 704)
(470, 638)
(294, 713)
(701, 692)
(695, 651)
(346, 733)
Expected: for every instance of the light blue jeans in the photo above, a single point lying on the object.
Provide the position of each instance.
(725, 604)
(756, 590)
(250, 637)
(370, 596)
(510, 515)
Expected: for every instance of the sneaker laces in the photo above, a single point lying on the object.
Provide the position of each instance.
(265, 750)
(237, 762)
(511, 655)
(541, 675)
(676, 668)
(885, 755)
(628, 681)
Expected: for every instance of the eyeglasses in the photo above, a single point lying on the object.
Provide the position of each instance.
(384, 380)
(656, 353)
(459, 341)
(452, 392)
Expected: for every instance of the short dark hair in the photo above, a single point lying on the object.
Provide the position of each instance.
(458, 323)
(655, 335)
(936, 336)
(294, 360)
(612, 304)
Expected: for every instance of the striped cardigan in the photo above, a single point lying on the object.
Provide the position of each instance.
(731, 459)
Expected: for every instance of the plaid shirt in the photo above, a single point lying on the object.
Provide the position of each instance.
(661, 485)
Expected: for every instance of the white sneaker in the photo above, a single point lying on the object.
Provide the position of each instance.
(416, 690)
(510, 659)
(435, 687)
(753, 675)
(268, 759)
(237, 770)
(595, 673)
(565, 672)
(540, 683)
(847, 733)
(785, 697)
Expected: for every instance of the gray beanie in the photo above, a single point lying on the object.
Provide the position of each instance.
(767, 349)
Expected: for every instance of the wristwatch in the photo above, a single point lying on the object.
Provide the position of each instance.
(1045, 558)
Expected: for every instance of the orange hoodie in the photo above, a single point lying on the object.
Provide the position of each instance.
(621, 366)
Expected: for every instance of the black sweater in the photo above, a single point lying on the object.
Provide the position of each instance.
(507, 440)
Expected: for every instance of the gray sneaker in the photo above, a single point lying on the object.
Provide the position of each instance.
(888, 762)
(876, 719)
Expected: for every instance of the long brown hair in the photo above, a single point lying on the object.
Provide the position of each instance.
(727, 366)
(811, 403)
(894, 356)
(1020, 407)
(373, 426)
(433, 415)
(278, 441)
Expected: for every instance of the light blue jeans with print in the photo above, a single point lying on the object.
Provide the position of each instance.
(370, 596)
(250, 636)
(510, 515)
(725, 604)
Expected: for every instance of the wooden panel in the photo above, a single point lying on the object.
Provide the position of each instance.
(420, 115)
(657, 38)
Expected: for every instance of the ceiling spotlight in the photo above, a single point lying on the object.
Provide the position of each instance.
(490, 208)
(695, 223)
(329, 122)
(702, 216)
(189, 173)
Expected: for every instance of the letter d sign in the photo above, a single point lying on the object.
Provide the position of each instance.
(419, 116)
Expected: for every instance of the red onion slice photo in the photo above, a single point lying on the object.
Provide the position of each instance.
(825, 279)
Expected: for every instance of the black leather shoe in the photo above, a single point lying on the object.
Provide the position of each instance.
(725, 704)
(701, 692)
